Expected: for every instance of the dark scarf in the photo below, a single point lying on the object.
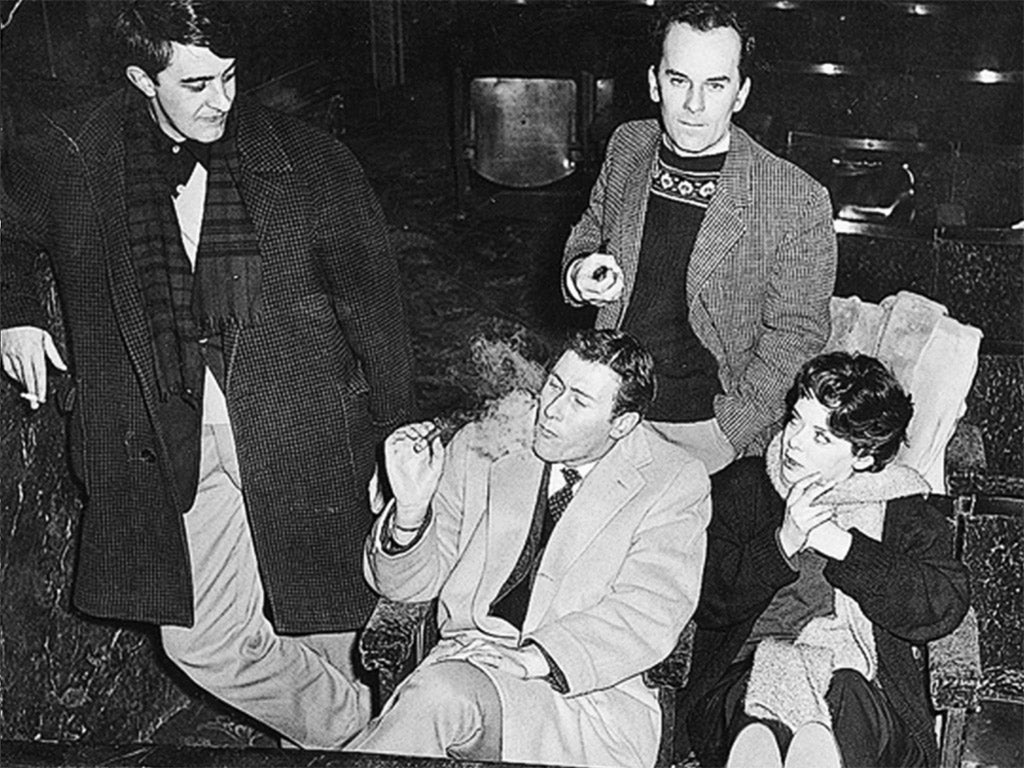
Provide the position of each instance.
(224, 291)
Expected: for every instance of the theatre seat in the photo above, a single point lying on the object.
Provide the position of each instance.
(525, 132)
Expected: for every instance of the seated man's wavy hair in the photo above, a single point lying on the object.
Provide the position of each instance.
(624, 355)
(867, 405)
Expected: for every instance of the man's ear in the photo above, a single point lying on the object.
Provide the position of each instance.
(863, 463)
(137, 76)
(652, 84)
(741, 96)
(623, 424)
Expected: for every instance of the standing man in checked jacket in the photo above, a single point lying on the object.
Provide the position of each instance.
(237, 349)
(717, 255)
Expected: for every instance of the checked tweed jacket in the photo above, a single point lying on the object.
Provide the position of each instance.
(760, 275)
(310, 389)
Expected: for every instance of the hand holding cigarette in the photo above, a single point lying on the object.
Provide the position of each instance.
(414, 459)
(26, 351)
(596, 279)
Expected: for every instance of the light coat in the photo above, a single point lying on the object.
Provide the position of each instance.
(617, 582)
(760, 276)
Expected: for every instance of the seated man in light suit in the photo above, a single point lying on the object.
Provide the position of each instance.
(566, 563)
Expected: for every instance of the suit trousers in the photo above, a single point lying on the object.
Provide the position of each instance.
(443, 709)
(304, 687)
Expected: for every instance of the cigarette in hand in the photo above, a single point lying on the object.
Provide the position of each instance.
(424, 441)
(31, 397)
(601, 272)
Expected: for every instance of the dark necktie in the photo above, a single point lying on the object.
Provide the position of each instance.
(559, 500)
(514, 596)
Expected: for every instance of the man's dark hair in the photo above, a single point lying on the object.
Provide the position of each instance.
(704, 17)
(867, 406)
(624, 355)
(145, 29)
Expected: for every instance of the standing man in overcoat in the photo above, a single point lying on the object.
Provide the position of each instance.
(717, 255)
(236, 346)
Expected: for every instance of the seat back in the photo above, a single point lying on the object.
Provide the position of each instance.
(932, 355)
(993, 551)
(522, 130)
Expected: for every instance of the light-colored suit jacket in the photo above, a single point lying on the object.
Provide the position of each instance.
(619, 579)
(760, 275)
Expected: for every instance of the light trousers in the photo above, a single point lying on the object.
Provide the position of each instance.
(444, 709)
(304, 687)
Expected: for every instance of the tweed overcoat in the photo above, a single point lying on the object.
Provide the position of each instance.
(310, 388)
(618, 580)
(759, 278)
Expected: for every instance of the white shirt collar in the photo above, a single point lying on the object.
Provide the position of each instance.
(557, 480)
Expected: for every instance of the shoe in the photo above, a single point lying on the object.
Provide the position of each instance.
(813, 746)
(755, 747)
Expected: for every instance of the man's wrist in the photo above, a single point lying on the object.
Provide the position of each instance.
(409, 517)
(396, 538)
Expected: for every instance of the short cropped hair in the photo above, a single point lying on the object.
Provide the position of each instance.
(867, 406)
(704, 17)
(624, 355)
(145, 29)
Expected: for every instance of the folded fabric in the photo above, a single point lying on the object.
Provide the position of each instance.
(932, 355)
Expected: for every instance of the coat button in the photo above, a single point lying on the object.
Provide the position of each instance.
(147, 456)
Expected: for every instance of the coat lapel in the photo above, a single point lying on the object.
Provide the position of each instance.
(634, 202)
(723, 223)
(606, 490)
(263, 166)
(104, 160)
(264, 170)
(723, 226)
(512, 493)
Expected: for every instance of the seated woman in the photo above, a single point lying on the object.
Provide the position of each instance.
(826, 570)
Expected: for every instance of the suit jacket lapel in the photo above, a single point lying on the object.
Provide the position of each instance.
(723, 223)
(634, 207)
